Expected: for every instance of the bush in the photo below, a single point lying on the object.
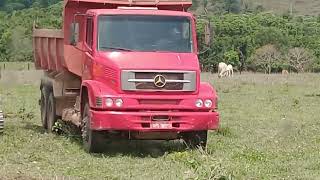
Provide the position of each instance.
(266, 58)
(300, 59)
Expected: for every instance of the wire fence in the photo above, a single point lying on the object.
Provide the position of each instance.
(16, 66)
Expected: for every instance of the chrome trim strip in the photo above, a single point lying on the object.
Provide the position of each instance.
(158, 71)
(152, 80)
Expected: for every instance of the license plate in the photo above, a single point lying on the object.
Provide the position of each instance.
(161, 126)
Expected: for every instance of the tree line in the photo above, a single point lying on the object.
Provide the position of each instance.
(263, 42)
(242, 36)
(13, 5)
(16, 30)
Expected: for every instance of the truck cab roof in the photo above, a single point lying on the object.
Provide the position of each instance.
(137, 11)
(174, 5)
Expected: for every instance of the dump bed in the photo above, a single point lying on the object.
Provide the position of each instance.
(53, 52)
(48, 49)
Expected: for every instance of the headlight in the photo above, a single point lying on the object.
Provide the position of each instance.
(118, 102)
(199, 103)
(208, 103)
(109, 102)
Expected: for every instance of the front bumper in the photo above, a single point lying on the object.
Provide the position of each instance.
(142, 121)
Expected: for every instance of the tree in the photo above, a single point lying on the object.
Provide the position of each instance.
(291, 6)
(300, 59)
(259, 9)
(27, 3)
(232, 57)
(271, 35)
(233, 6)
(266, 57)
(242, 52)
(20, 43)
(2, 3)
(9, 7)
(16, 29)
(44, 3)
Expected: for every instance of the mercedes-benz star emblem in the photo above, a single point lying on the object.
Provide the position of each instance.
(159, 81)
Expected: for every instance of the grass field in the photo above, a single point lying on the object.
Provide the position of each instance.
(269, 130)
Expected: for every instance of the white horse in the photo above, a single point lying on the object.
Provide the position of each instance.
(222, 67)
(225, 70)
(229, 70)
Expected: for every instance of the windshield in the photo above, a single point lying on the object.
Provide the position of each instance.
(144, 33)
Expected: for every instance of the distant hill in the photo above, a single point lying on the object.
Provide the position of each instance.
(300, 7)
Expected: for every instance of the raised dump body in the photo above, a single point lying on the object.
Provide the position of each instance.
(48, 49)
(125, 69)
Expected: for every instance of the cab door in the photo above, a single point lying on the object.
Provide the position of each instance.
(88, 60)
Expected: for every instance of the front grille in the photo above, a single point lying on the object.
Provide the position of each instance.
(151, 86)
(146, 80)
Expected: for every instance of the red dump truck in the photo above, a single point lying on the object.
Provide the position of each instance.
(125, 69)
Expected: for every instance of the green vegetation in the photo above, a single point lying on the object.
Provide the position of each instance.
(12, 5)
(16, 29)
(247, 33)
(242, 35)
(270, 130)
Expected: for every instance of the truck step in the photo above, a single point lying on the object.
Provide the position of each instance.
(72, 91)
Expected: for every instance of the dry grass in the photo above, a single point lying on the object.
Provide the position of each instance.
(269, 130)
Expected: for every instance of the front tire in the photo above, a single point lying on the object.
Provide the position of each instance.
(91, 139)
(196, 139)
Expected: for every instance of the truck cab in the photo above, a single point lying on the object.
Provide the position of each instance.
(136, 70)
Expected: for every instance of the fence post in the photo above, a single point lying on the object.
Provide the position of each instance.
(28, 66)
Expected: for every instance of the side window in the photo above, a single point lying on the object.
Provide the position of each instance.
(89, 36)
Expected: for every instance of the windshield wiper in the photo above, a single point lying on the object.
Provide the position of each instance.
(116, 48)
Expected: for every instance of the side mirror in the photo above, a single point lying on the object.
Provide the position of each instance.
(74, 37)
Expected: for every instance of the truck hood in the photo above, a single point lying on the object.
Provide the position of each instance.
(151, 60)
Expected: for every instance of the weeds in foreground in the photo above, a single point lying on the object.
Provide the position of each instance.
(201, 164)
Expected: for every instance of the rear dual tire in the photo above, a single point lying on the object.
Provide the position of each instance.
(48, 109)
(43, 108)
